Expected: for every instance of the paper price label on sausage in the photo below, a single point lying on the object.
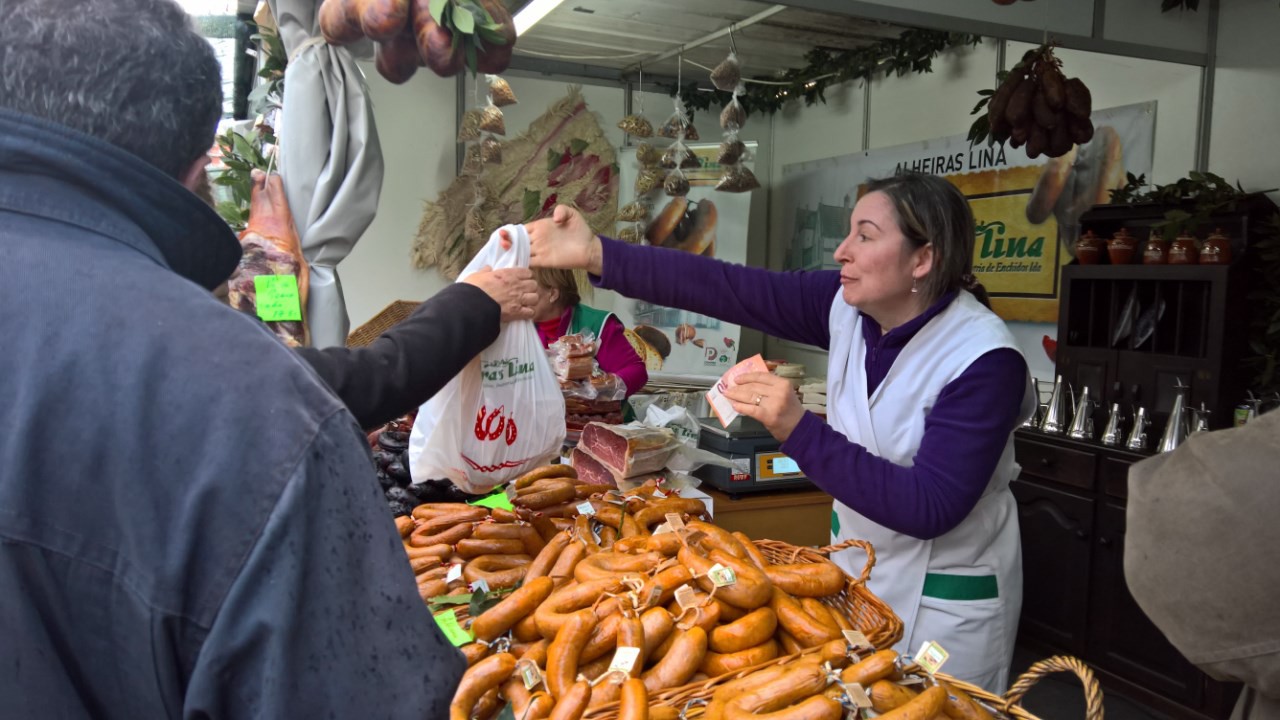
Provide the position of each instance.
(624, 659)
(448, 623)
(663, 528)
(721, 576)
(530, 674)
(931, 657)
(857, 640)
(276, 298)
(586, 508)
(511, 492)
(686, 597)
(654, 595)
(454, 574)
(675, 521)
(480, 586)
(857, 695)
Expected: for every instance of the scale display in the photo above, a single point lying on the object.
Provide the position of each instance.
(774, 466)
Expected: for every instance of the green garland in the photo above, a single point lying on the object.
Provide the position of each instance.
(911, 52)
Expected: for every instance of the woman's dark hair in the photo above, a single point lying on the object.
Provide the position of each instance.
(932, 211)
(134, 73)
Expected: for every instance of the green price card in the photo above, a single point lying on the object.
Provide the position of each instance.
(277, 297)
(448, 623)
(497, 500)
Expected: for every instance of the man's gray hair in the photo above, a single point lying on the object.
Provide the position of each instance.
(134, 73)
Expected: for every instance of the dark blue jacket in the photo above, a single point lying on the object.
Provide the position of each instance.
(189, 520)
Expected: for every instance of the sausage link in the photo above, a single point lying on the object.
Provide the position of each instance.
(818, 579)
(680, 663)
(565, 650)
(520, 604)
(716, 664)
(573, 703)
(924, 706)
(485, 675)
(751, 630)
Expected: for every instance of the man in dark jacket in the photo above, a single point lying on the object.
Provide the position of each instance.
(189, 521)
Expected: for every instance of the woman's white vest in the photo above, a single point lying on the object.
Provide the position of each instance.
(984, 550)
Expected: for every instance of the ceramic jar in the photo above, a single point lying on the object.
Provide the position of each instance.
(1157, 251)
(1089, 249)
(1216, 250)
(1184, 251)
(1121, 247)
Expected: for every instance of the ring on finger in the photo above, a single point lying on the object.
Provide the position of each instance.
(757, 400)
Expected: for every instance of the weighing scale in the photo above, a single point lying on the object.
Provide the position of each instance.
(758, 466)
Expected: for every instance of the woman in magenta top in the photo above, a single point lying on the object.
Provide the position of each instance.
(559, 312)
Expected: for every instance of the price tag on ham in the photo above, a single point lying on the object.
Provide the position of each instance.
(931, 657)
(624, 659)
(721, 405)
(276, 297)
(675, 522)
(586, 508)
(721, 576)
(448, 623)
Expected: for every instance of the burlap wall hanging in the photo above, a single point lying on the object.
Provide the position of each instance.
(563, 158)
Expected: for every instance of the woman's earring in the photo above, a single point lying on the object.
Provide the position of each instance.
(914, 289)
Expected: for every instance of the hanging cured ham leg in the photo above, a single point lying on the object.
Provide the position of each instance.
(271, 248)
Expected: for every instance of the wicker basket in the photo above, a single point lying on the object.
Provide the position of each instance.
(390, 316)
(692, 698)
(865, 611)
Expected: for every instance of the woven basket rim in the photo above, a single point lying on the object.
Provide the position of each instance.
(386, 318)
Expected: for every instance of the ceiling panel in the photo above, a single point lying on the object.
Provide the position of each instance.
(624, 35)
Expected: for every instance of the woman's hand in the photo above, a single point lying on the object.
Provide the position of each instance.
(563, 240)
(770, 399)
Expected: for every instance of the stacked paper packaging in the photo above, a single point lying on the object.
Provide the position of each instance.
(813, 395)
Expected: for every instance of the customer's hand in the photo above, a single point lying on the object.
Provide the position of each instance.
(563, 240)
(512, 288)
(770, 399)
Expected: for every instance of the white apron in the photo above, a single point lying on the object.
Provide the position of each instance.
(963, 589)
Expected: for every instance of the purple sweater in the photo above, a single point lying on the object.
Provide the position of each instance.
(965, 432)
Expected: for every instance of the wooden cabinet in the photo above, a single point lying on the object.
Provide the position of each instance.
(1056, 529)
(799, 517)
(1071, 510)
(1121, 637)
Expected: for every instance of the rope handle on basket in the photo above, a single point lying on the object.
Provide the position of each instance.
(1059, 663)
(866, 547)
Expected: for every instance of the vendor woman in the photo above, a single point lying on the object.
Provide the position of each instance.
(925, 387)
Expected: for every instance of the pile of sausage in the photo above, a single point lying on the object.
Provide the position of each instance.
(817, 686)
(605, 576)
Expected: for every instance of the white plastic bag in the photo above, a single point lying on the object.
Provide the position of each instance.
(503, 415)
(676, 418)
